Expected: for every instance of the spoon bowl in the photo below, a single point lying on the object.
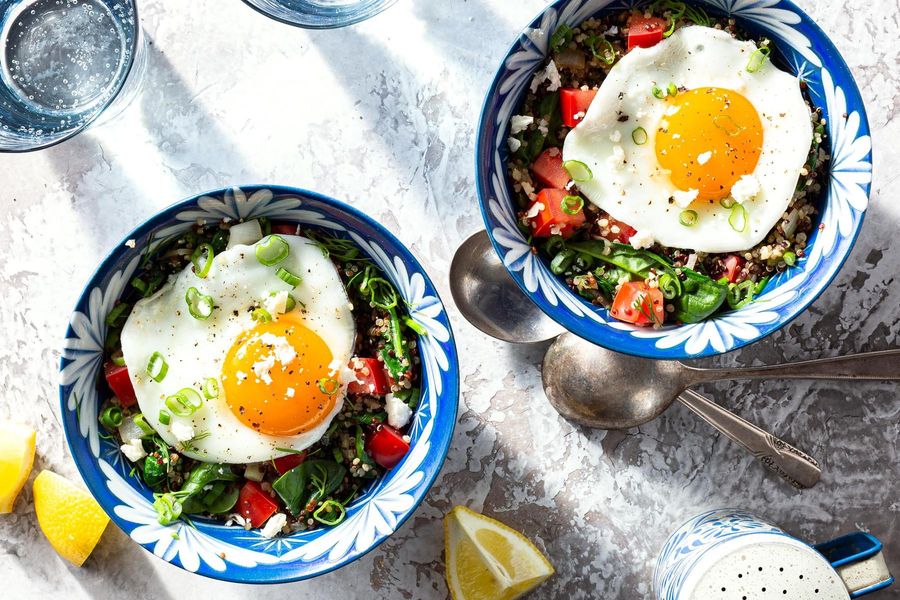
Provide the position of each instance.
(490, 300)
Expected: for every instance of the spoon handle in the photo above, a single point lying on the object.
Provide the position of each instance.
(794, 466)
(883, 365)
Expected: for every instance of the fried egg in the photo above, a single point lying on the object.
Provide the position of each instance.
(685, 126)
(275, 384)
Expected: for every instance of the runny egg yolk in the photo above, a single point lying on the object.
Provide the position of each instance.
(276, 378)
(710, 138)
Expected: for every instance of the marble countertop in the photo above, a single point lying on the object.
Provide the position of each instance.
(383, 115)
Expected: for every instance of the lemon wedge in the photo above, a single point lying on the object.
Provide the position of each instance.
(70, 517)
(16, 459)
(486, 560)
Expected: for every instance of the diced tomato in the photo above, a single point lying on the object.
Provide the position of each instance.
(386, 446)
(120, 383)
(638, 303)
(619, 231)
(733, 264)
(284, 228)
(255, 505)
(552, 218)
(573, 103)
(285, 463)
(644, 32)
(548, 169)
(370, 377)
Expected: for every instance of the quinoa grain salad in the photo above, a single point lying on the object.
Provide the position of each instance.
(318, 413)
(666, 124)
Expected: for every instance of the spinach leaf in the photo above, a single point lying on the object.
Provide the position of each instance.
(310, 480)
(624, 257)
(219, 498)
(700, 297)
(203, 475)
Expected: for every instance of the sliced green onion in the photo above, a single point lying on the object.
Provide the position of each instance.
(415, 326)
(727, 202)
(117, 316)
(607, 53)
(118, 359)
(142, 424)
(668, 286)
(211, 388)
(168, 508)
(272, 250)
(657, 92)
(578, 171)
(157, 367)
(140, 285)
(185, 402)
(740, 294)
(111, 418)
(562, 261)
(288, 277)
(201, 270)
(328, 386)
(672, 89)
(790, 259)
(757, 59)
(688, 218)
(639, 136)
(761, 285)
(572, 205)
(561, 37)
(261, 315)
(290, 304)
(327, 507)
(738, 218)
(165, 417)
(199, 305)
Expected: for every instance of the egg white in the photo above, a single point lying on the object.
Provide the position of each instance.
(195, 349)
(628, 182)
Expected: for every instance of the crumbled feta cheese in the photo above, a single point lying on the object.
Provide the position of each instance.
(746, 188)
(555, 229)
(703, 158)
(579, 115)
(276, 303)
(683, 199)
(273, 526)
(641, 239)
(289, 392)
(398, 413)
(672, 109)
(617, 159)
(611, 31)
(237, 519)
(616, 136)
(182, 432)
(514, 144)
(131, 243)
(281, 348)
(262, 368)
(520, 123)
(528, 189)
(549, 73)
(133, 450)
(254, 472)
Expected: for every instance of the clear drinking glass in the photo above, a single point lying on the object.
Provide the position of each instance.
(63, 63)
(320, 14)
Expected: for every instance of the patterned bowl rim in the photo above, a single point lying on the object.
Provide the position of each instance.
(671, 341)
(439, 424)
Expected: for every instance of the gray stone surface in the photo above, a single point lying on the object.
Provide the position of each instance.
(383, 116)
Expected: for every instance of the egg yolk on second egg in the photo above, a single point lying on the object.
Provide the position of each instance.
(276, 378)
(710, 138)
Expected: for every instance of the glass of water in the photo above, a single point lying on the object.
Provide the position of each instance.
(63, 63)
(320, 14)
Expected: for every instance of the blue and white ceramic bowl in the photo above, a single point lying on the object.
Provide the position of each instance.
(801, 47)
(231, 553)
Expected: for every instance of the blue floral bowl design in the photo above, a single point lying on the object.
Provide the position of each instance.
(800, 46)
(231, 553)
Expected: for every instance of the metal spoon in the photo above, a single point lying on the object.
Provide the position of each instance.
(490, 300)
(601, 388)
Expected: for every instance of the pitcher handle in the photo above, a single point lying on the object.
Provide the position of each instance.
(858, 560)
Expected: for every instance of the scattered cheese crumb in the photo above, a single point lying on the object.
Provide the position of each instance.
(534, 209)
(289, 392)
(746, 188)
(276, 303)
(398, 413)
(702, 159)
(273, 525)
(519, 123)
(549, 73)
(182, 432)
(616, 136)
(641, 239)
(131, 243)
(683, 199)
(514, 144)
(133, 450)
